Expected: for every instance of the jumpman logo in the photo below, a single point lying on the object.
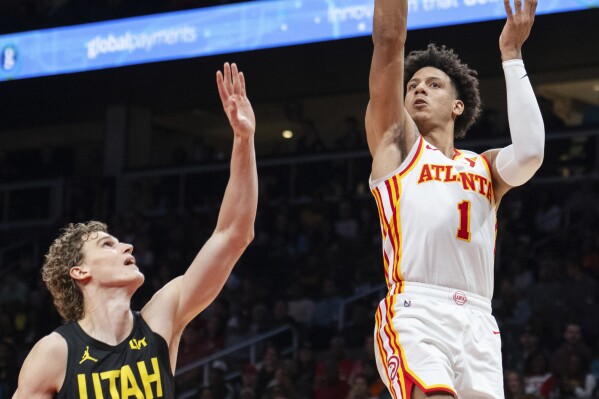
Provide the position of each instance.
(86, 356)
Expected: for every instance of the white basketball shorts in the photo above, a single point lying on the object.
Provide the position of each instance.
(438, 339)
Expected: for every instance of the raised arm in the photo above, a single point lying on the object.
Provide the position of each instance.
(183, 298)
(515, 164)
(389, 129)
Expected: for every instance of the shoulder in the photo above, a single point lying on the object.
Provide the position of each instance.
(500, 187)
(159, 312)
(53, 345)
(491, 154)
(36, 378)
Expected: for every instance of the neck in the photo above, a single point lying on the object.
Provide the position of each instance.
(443, 140)
(108, 318)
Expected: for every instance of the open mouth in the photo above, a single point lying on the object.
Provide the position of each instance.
(130, 261)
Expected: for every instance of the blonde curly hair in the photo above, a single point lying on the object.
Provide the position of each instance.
(65, 253)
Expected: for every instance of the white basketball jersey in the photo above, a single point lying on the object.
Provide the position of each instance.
(438, 220)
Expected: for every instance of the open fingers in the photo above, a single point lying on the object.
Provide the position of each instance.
(517, 7)
(235, 79)
(530, 7)
(227, 79)
(508, 8)
(242, 84)
(220, 84)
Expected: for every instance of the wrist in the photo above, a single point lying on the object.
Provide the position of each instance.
(511, 54)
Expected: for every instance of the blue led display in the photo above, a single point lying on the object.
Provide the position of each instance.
(225, 29)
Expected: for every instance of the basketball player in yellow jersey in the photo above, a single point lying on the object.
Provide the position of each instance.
(435, 336)
(107, 351)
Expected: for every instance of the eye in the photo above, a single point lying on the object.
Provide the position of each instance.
(435, 85)
(411, 86)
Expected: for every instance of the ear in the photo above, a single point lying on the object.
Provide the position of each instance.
(79, 273)
(458, 108)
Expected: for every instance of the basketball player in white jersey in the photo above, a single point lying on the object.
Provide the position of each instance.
(435, 336)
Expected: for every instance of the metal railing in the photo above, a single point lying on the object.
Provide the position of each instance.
(250, 345)
(248, 351)
(188, 186)
(377, 293)
(197, 187)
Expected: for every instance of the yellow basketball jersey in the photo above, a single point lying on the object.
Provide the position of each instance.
(438, 220)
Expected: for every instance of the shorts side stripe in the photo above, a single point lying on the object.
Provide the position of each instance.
(380, 346)
(406, 369)
(386, 352)
(395, 349)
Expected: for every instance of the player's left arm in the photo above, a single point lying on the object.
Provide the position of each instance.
(178, 302)
(515, 164)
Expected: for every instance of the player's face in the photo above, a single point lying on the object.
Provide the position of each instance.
(110, 262)
(431, 99)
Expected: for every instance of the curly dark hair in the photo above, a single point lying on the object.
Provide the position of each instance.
(65, 253)
(463, 79)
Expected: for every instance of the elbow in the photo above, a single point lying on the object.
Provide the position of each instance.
(533, 158)
(537, 160)
(389, 33)
(242, 239)
(388, 38)
(531, 162)
(250, 237)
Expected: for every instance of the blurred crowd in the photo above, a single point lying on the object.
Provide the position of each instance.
(312, 253)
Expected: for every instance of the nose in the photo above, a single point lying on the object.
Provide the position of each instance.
(128, 248)
(420, 88)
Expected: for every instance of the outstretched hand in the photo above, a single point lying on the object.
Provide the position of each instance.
(231, 88)
(517, 28)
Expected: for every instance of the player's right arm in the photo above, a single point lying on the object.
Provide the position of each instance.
(390, 131)
(44, 369)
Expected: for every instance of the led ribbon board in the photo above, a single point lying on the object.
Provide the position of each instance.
(225, 29)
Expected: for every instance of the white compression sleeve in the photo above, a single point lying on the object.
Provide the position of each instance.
(518, 162)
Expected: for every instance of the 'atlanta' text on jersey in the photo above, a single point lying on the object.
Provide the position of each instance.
(448, 174)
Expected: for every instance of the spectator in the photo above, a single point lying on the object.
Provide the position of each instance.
(574, 381)
(515, 356)
(513, 385)
(305, 369)
(267, 369)
(247, 383)
(572, 345)
(359, 388)
(219, 388)
(309, 140)
(365, 366)
(330, 386)
(337, 354)
(536, 372)
(326, 311)
(282, 386)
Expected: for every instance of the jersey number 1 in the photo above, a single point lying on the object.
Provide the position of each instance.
(464, 229)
